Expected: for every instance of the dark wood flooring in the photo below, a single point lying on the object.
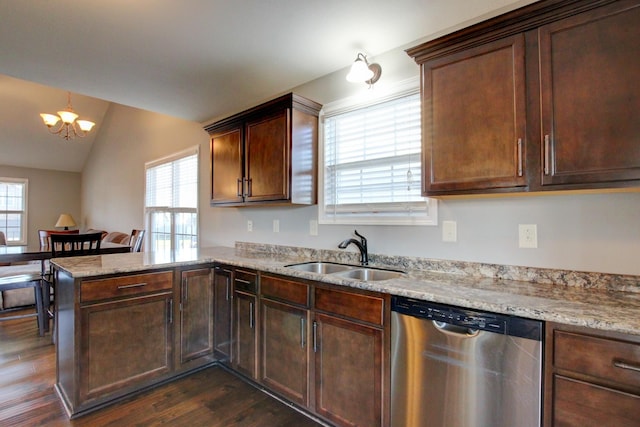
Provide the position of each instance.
(212, 397)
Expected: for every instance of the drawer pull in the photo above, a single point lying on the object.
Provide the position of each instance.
(135, 285)
(626, 365)
(246, 282)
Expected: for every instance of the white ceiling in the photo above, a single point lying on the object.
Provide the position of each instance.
(192, 59)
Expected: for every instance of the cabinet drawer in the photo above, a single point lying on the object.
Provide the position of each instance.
(94, 290)
(285, 290)
(604, 358)
(361, 307)
(577, 403)
(246, 281)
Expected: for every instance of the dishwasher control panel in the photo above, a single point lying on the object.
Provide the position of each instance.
(468, 318)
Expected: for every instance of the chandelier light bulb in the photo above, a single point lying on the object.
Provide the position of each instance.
(67, 128)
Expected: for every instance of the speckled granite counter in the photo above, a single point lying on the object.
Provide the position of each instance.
(601, 301)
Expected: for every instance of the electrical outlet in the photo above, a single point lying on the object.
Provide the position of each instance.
(527, 235)
(249, 225)
(276, 225)
(313, 227)
(449, 231)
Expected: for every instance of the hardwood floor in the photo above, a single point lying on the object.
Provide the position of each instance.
(212, 397)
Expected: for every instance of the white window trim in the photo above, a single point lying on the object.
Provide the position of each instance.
(369, 217)
(195, 150)
(25, 219)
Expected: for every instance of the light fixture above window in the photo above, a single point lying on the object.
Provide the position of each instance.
(69, 126)
(363, 72)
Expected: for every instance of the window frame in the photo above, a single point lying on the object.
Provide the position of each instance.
(172, 211)
(373, 213)
(24, 220)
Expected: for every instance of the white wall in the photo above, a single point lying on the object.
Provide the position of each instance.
(589, 232)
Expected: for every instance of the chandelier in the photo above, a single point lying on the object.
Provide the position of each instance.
(69, 126)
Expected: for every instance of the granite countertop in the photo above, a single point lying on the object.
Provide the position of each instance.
(600, 301)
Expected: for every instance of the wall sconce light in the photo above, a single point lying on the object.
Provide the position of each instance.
(362, 71)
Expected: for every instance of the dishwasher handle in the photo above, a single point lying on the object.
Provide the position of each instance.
(455, 330)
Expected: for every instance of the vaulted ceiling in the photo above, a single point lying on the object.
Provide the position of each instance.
(192, 59)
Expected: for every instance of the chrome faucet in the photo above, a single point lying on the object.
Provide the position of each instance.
(362, 246)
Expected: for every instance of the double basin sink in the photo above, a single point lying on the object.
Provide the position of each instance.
(356, 272)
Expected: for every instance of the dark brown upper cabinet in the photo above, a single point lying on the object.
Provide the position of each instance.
(540, 98)
(267, 154)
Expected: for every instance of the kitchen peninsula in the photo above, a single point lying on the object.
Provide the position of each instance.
(124, 320)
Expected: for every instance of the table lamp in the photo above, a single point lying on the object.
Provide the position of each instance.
(65, 221)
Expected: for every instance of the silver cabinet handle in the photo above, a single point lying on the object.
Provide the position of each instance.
(519, 156)
(626, 365)
(170, 304)
(185, 289)
(246, 282)
(135, 285)
(251, 321)
(302, 335)
(546, 154)
(249, 187)
(228, 289)
(239, 188)
(315, 336)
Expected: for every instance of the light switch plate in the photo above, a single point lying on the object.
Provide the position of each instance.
(449, 231)
(276, 225)
(313, 227)
(249, 225)
(527, 236)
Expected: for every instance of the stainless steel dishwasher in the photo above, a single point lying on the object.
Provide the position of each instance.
(454, 367)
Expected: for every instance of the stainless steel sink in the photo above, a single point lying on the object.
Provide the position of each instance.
(370, 274)
(320, 267)
(365, 274)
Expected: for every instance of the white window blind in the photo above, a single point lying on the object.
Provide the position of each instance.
(372, 164)
(171, 202)
(13, 210)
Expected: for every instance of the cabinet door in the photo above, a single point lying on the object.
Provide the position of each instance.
(226, 167)
(124, 344)
(349, 371)
(284, 357)
(267, 158)
(473, 107)
(590, 96)
(222, 294)
(196, 319)
(244, 354)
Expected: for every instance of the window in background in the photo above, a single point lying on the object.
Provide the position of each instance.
(13, 210)
(171, 202)
(371, 157)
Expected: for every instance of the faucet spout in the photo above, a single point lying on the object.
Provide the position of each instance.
(361, 245)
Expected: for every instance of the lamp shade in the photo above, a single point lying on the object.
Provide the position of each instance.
(66, 221)
(359, 72)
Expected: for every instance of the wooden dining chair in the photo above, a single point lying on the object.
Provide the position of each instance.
(67, 245)
(45, 241)
(137, 238)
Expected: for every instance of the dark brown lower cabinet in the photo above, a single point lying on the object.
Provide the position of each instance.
(592, 378)
(114, 336)
(222, 297)
(124, 343)
(284, 352)
(245, 336)
(196, 316)
(348, 367)
(326, 348)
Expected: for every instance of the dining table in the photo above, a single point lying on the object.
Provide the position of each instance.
(13, 254)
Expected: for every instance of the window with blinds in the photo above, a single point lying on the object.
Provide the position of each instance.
(372, 164)
(13, 210)
(171, 202)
